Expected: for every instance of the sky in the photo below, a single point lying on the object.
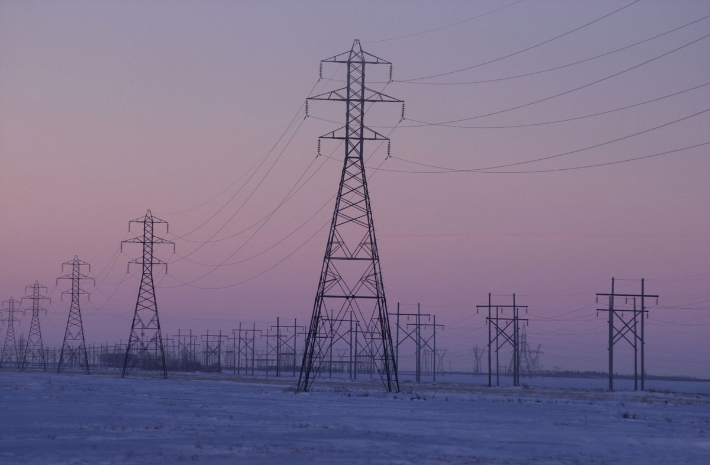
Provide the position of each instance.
(195, 110)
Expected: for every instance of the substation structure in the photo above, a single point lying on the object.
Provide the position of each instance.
(274, 350)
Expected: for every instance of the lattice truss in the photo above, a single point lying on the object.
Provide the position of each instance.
(34, 356)
(145, 348)
(351, 278)
(73, 354)
(10, 354)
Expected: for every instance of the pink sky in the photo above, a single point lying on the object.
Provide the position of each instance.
(110, 108)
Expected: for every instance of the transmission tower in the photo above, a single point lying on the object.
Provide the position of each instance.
(74, 346)
(10, 353)
(477, 358)
(351, 278)
(529, 362)
(34, 349)
(145, 344)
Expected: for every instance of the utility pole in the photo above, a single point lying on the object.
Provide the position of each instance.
(627, 329)
(34, 349)
(145, 343)
(413, 334)
(286, 344)
(424, 342)
(74, 345)
(421, 342)
(185, 353)
(351, 277)
(249, 347)
(506, 332)
(213, 350)
(10, 352)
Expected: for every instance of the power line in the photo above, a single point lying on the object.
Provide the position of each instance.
(523, 50)
(442, 27)
(248, 197)
(266, 218)
(446, 123)
(561, 169)
(203, 243)
(565, 120)
(288, 196)
(261, 163)
(571, 152)
(544, 123)
(190, 283)
(506, 78)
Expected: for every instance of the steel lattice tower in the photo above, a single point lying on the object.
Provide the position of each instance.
(34, 350)
(351, 279)
(74, 347)
(10, 353)
(145, 344)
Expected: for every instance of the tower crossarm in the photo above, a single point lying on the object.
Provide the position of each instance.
(369, 95)
(341, 134)
(356, 54)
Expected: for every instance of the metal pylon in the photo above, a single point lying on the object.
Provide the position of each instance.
(10, 352)
(34, 349)
(145, 344)
(351, 279)
(73, 352)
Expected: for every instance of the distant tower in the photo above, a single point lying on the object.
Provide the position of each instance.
(351, 278)
(10, 353)
(34, 350)
(477, 357)
(145, 343)
(73, 352)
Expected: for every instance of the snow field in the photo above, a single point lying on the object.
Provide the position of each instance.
(220, 419)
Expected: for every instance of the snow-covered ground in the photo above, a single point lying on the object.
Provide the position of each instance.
(220, 419)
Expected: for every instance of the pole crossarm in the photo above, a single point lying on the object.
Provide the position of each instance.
(653, 296)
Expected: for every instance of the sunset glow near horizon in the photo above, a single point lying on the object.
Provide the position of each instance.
(194, 110)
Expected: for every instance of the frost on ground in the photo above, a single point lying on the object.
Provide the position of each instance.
(102, 419)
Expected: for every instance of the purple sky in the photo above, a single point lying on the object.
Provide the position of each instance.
(110, 108)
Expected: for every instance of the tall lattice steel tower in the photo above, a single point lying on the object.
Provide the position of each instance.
(10, 351)
(73, 352)
(145, 344)
(34, 355)
(351, 279)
